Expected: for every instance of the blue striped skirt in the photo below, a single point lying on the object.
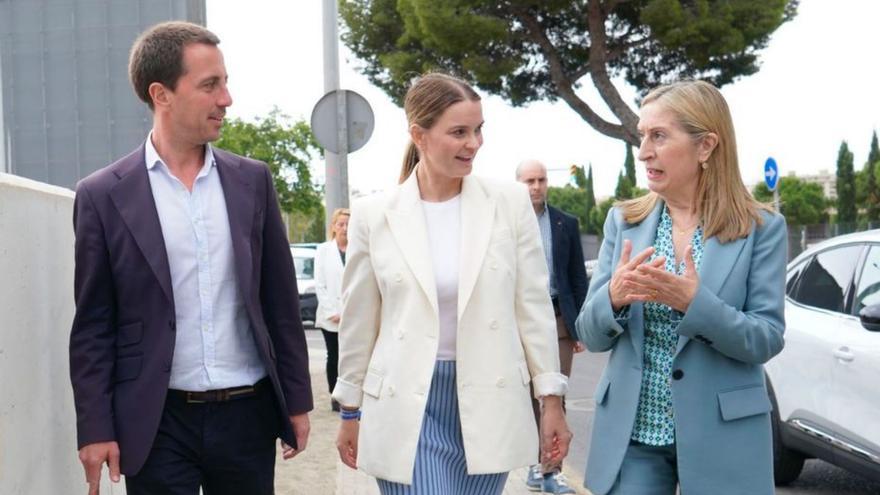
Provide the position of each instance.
(440, 467)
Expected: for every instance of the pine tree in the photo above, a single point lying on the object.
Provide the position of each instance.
(591, 203)
(624, 189)
(846, 186)
(630, 166)
(872, 185)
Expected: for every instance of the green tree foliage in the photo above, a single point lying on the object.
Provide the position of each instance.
(598, 214)
(589, 226)
(287, 147)
(629, 165)
(624, 189)
(525, 50)
(802, 202)
(846, 186)
(572, 200)
(869, 175)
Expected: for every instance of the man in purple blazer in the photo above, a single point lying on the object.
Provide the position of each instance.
(187, 353)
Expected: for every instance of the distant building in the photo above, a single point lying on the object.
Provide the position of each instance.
(66, 105)
(827, 180)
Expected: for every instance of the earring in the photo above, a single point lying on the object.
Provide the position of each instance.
(704, 165)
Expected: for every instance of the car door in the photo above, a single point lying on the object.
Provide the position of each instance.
(856, 369)
(815, 316)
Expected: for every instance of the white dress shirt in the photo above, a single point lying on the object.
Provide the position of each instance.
(214, 345)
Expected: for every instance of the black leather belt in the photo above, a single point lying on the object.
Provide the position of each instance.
(220, 395)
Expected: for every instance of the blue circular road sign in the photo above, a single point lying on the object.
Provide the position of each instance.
(771, 174)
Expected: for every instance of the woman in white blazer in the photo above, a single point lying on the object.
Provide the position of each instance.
(446, 317)
(329, 261)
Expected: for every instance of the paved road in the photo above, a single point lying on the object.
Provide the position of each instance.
(818, 478)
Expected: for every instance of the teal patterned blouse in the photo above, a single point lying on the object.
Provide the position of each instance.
(654, 417)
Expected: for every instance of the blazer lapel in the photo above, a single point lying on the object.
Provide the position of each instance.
(477, 214)
(133, 199)
(718, 261)
(240, 196)
(406, 220)
(642, 236)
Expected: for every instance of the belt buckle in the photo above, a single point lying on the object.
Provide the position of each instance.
(190, 400)
(230, 394)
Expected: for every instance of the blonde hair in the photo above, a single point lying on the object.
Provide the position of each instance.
(426, 100)
(338, 212)
(723, 203)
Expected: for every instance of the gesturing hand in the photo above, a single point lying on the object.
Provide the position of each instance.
(621, 288)
(676, 291)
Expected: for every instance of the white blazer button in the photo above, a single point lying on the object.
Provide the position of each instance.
(494, 266)
(501, 382)
(398, 278)
(390, 390)
(494, 325)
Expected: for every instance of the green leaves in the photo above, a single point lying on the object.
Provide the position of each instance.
(802, 202)
(510, 48)
(287, 147)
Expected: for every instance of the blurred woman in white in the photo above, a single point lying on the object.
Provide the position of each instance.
(329, 261)
(446, 317)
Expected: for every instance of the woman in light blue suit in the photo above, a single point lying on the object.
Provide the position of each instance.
(691, 318)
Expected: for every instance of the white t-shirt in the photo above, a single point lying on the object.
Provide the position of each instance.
(443, 221)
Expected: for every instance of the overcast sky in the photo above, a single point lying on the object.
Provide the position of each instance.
(817, 85)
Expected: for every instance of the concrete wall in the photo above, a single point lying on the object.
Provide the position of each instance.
(37, 421)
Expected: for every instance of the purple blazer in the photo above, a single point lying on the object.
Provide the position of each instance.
(122, 339)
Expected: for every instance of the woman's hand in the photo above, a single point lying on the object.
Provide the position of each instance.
(555, 436)
(347, 442)
(621, 288)
(659, 285)
(334, 319)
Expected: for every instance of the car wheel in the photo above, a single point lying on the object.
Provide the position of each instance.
(787, 463)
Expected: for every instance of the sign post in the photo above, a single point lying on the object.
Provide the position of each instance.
(771, 178)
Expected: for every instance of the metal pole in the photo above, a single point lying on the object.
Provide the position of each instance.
(336, 169)
(776, 199)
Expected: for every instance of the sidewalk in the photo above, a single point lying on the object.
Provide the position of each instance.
(318, 471)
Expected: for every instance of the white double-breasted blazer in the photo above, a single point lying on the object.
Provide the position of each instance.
(328, 284)
(388, 335)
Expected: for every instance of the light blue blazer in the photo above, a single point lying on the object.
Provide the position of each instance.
(734, 325)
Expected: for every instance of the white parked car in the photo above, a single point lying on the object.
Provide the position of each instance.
(825, 384)
(304, 264)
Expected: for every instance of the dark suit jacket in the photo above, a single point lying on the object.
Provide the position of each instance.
(122, 339)
(570, 275)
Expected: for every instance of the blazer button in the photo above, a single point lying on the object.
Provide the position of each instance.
(172, 325)
(390, 390)
(168, 366)
(398, 278)
(501, 383)
(677, 375)
(494, 266)
(494, 325)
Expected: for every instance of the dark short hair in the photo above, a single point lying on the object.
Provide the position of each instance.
(157, 55)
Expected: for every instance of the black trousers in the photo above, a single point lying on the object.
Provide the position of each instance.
(225, 448)
(331, 339)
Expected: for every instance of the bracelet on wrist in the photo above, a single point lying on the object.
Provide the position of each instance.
(349, 414)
